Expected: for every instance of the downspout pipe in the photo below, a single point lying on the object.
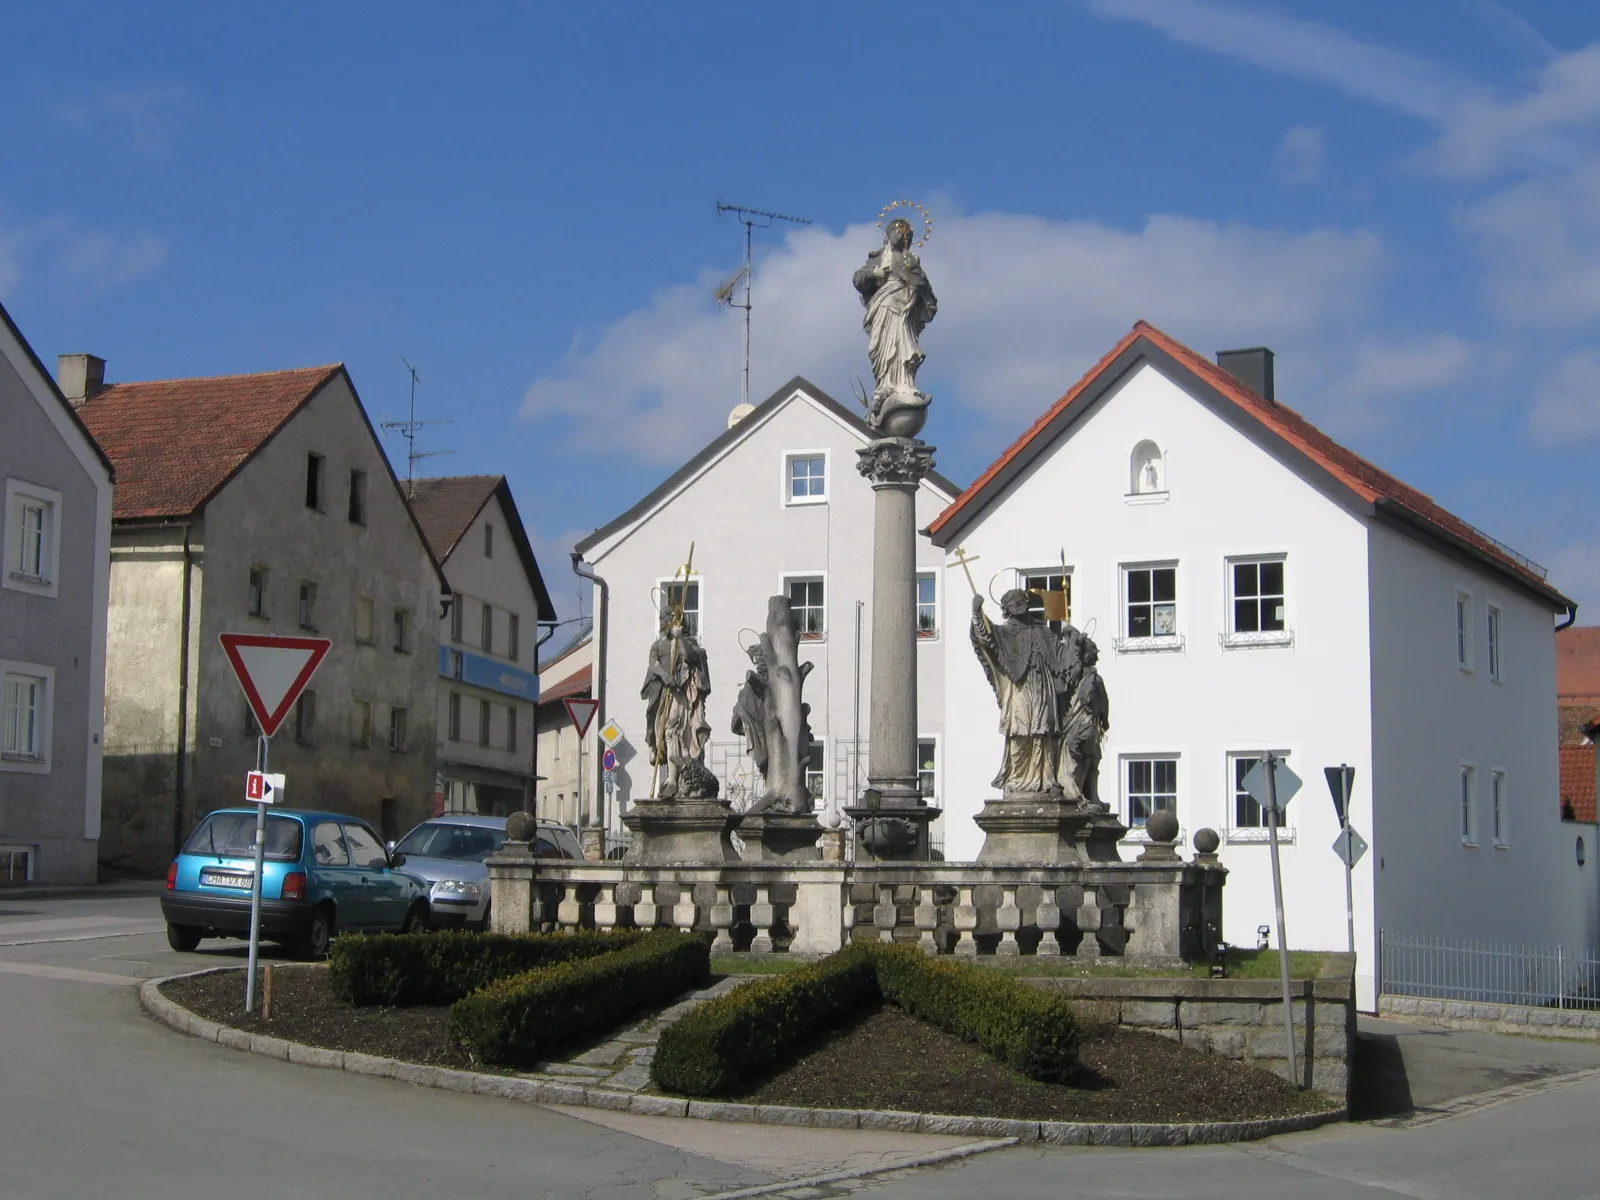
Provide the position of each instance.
(602, 633)
(180, 784)
(530, 793)
(1572, 617)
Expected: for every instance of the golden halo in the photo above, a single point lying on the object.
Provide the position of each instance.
(927, 218)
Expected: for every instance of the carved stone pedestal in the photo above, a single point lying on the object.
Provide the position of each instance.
(893, 834)
(1025, 832)
(668, 832)
(780, 837)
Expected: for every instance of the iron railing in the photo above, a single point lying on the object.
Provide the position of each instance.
(1489, 972)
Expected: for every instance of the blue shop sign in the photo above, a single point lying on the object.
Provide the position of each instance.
(487, 673)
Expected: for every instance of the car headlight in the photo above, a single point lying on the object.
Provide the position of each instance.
(459, 886)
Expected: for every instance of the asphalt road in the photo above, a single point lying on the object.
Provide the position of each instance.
(100, 1101)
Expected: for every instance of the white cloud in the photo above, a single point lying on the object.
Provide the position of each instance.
(1541, 243)
(554, 554)
(1575, 572)
(1568, 406)
(1552, 124)
(82, 262)
(144, 115)
(1027, 304)
(1404, 369)
(1301, 156)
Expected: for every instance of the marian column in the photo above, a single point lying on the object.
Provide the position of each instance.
(891, 816)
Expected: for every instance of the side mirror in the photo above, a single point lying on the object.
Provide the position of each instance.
(389, 846)
(396, 859)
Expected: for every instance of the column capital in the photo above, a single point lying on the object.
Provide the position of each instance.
(895, 460)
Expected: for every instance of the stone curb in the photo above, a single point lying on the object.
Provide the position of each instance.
(574, 1095)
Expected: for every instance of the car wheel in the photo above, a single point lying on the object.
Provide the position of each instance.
(485, 924)
(417, 919)
(313, 943)
(183, 938)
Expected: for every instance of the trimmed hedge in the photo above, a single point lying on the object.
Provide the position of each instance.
(520, 1020)
(440, 968)
(723, 1043)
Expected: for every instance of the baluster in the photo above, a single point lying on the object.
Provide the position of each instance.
(683, 912)
(966, 921)
(569, 913)
(1009, 919)
(761, 917)
(927, 919)
(605, 908)
(848, 915)
(722, 921)
(1089, 921)
(646, 912)
(1048, 918)
(883, 916)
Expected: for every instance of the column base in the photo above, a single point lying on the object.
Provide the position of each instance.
(780, 837)
(1045, 831)
(680, 832)
(893, 834)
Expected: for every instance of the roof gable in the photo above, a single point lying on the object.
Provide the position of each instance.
(726, 441)
(37, 379)
(1387, 496)
(446, 507)
(176, 442)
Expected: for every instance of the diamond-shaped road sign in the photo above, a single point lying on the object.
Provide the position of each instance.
(1349, 845)
(582, 713)
(611, 733)
(273, 671)
(1288, 783)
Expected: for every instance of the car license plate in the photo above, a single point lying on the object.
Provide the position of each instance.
(227, 879)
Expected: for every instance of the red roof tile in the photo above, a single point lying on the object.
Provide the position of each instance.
(1578, 782)
(576, 684)
(1578, 663)
(1371, 483)
(446, 507)
(176, 441)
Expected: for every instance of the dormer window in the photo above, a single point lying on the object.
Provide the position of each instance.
(805, 477)
(1147, 471)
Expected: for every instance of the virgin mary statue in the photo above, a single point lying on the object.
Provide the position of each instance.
(900, 303)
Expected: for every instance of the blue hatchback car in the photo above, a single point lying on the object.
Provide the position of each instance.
(323, 874)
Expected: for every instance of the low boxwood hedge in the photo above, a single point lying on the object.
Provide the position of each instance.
(524, 1018)
(725, 1042)
(441, 968)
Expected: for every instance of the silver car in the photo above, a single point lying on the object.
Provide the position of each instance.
(448, 853)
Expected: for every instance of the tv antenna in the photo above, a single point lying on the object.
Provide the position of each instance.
(408, 430)
(750, 218)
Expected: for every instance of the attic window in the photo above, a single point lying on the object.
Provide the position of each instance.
(314, 466)
(358, 497)
(488, 540)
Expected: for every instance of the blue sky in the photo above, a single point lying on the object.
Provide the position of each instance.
(1403, 200)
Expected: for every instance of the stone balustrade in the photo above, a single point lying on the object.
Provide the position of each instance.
(1153, 911)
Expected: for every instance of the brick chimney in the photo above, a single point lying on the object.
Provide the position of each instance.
(81, 376)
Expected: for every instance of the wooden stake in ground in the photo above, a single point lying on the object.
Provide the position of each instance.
(266, 992)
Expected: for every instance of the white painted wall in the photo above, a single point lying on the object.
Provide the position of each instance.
(747, 539)
(1227, 495)
(560, 761)
(1429, 717)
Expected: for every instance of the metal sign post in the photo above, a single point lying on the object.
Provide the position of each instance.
(255, 881)
(1340, 780)
(1263, 782)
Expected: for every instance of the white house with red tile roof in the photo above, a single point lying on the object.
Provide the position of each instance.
(55, 564)
(257, 504)
(1254, 586)
(563, 756)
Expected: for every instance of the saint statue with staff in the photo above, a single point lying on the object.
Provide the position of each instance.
(676, 686)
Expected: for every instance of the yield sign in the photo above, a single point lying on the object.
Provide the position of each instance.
(582, 713)
(273, 671)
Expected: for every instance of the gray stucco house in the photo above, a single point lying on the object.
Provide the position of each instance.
(257, 504)
(54, 579)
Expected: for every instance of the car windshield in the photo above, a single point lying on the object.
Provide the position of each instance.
(233, 835)
(471, 843)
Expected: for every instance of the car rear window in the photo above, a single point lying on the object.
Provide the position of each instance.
(468, 843)
(233, 835)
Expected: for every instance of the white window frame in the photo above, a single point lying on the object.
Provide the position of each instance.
(1467, 801)
(305, 611)
(790, 577)
(1126, 643)
(819, 795)
(371, 610)
(931, 634)
(787, 482)
(1495, 628)
(31, 854)
(264, 610)
(1020, 582)
(37, 763)
(360, 723)
(1125, 759)
(1499, 810)
(933, 739)
(405, 729)
(1463, 629)
(1237, 833)
(699, 610)
(1234, 639)
(47, 583)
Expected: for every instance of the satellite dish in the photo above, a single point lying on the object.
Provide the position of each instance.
(725, 292)
(739, 413)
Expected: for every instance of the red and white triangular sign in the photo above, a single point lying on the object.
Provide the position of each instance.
(582, 713)
(273, 671)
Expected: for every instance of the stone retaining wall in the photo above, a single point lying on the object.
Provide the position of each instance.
(1577, 1024)
(1238, 1018)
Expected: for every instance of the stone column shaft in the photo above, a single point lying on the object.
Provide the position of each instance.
(892, 728)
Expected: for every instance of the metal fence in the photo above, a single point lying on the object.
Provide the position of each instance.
(1489, 972)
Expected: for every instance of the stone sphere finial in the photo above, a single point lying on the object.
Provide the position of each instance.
(1206, 840)
(520, 827)
(1162, 826)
